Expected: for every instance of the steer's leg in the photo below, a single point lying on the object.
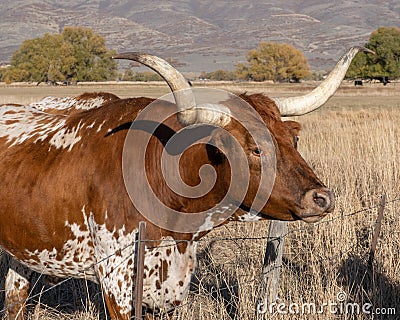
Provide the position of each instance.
(17, 287)
(116, 312)
(114, 268)
(4, 266)
(117, 282)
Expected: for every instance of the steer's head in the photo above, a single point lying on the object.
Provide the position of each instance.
(294, 190)
(297, 192)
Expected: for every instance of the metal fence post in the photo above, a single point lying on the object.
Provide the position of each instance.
(139, 268)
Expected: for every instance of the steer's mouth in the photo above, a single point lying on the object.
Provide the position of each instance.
(313, 218)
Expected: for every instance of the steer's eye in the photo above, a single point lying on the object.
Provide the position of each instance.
(257, 152)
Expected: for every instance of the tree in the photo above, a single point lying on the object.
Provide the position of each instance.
(76, 54)
(274, 61)
(41, 59)
(93, 60)
(385, 42)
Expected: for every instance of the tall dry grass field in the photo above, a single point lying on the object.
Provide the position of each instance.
(354, 147)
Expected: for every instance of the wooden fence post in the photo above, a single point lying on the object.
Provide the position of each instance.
(272, 265)
(139, 268)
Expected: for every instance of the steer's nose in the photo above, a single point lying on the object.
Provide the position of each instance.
(316, 204)
(323, 198)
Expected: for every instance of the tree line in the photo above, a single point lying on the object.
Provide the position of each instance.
(79, 54)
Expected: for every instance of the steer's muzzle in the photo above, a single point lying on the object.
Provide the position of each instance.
(316, 204)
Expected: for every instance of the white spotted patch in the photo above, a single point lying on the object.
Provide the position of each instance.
(44, 119)
(20, 123)
(106, 256)
(68, 103)
(167, 274)
(248, 217)
(66, 138)
(76, 258)
(114, 251)
(94, 253)
(212, 219)
(17, 277)
(101, 126)
(16, 289)
(91, 125)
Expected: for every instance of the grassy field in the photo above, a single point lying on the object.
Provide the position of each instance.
(354, 147)
(25, 94)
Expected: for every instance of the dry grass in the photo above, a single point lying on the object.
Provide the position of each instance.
(353, 145)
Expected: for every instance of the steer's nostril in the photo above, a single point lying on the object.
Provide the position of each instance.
(321, 200)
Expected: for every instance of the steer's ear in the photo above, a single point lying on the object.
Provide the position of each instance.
(293, 126)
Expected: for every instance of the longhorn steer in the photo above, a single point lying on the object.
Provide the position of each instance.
(64, 209)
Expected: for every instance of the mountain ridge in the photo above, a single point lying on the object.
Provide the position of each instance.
(204, 35)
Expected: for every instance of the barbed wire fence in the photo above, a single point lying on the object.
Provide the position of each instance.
(208, 281)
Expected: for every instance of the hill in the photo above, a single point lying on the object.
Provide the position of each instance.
(204, 35)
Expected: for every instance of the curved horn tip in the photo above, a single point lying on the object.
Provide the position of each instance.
(128, 55)
(364, 49)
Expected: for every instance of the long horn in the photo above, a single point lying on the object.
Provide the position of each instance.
(297, 106)
(188, 112)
